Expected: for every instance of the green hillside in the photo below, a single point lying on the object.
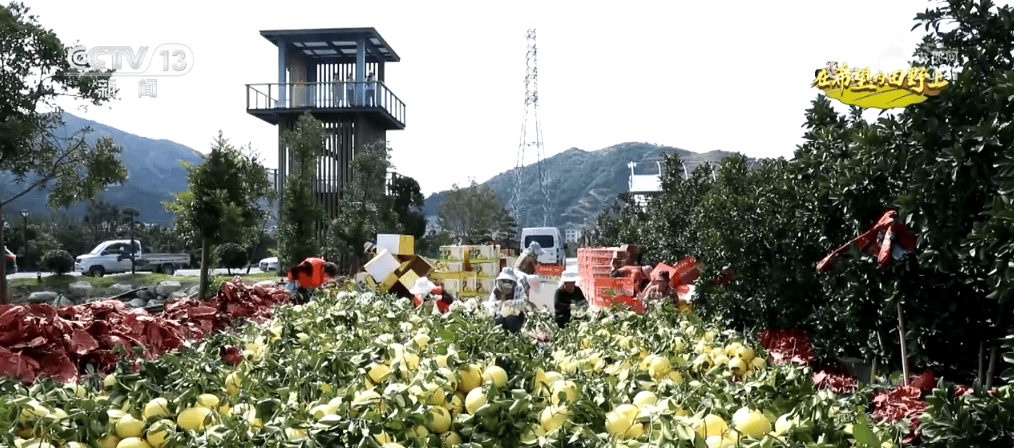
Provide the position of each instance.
(581, 183)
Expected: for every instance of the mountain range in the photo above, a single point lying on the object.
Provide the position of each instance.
(580, 183)
(153, 169)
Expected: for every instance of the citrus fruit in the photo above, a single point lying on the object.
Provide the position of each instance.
(567, 389)
(133, 442)
(475, 400)
(157, 408)
(441, 421)
(129, 427)
(193, 418)
(495, 374)
(712, 425)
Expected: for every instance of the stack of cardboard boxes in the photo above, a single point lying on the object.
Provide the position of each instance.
(468, 271)
(396, 267)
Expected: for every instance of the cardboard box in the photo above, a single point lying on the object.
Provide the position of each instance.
(453, 286)
(416, 264)
(396, 244)
(469, 281)
(484, 286)
(408, 279)
(453, 253)
(383, 265)
(486, 270)
(484, 252)
(444, 275)
(453, 266)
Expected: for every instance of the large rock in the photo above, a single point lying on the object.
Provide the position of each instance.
(63, 301)
(120, 288)
(137, 303)
(194, 290)
(179, 295)
(267, 283)
(81, 289)
(145, 294)
(168, 287)
(42, 297)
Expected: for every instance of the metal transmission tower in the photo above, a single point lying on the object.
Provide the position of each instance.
(534, 141)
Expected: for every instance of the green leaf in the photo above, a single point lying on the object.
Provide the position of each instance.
(864, 435)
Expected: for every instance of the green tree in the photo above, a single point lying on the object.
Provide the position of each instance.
(366, 208)
(301, 211)
(224, 203)
(33, 73)
(408, 204)
(472, 212)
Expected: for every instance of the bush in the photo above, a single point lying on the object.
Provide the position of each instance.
(58, 262)
(231, 255)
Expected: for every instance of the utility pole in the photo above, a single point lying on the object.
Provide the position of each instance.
(534, 140)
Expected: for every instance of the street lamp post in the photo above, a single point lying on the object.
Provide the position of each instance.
(131, 212)
(24, 218)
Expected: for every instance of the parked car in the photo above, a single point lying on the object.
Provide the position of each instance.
(114, 256)
(269, 264)
(12, 262)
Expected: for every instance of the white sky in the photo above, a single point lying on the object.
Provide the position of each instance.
(731, 75)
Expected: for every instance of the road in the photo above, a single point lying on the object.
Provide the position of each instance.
(182, 272)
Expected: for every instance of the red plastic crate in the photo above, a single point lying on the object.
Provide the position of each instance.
(614, 286)
(619, 301)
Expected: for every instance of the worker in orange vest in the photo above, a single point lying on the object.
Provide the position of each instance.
(310, 274)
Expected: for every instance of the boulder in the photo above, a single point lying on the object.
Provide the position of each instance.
(194, 290)
(168, 287)
(81, 289)
(137, 303)
(42, 297)
(145, 294)
(63, 301)
(179, 295)
(267, 283)
(119, 288)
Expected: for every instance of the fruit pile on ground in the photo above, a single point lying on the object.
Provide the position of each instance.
(355, 369)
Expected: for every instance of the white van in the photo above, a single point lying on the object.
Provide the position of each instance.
(551, 241)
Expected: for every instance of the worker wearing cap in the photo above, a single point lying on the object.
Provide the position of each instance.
(425, 290)
(507, 302)
(567, 296)
(308, 275)
(529, 259)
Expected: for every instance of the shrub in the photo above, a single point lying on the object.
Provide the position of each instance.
(58, 262)
(231, 255)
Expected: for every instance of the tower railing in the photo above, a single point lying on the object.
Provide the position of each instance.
(325, 95)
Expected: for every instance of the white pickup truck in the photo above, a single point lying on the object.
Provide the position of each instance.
(114, 256)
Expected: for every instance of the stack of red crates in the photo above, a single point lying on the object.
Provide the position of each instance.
(594, 265)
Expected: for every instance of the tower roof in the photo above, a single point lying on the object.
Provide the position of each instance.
(334, 45)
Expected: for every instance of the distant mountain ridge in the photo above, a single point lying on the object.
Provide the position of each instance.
(582, 183)
(153, 169)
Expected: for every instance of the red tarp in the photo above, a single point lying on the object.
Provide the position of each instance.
(46, 341)
(787, 346)
(878, 241)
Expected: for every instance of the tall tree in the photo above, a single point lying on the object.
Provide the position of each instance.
(34, 71)
(225, 201)
(301, 211)
(366, 208)
(472, 212)
(408, 204)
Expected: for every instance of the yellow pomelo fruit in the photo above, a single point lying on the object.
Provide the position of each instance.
(441, 421)
(568, 388)
(109, 381)
(758, 363)
(159, 433)
(450, 439)
(78, 390)
(737, 366)
(133, 442)
(784, 423)
(421, 341)
(319, 411)
(720, 442)
(193, 418)
(434, 394)
(620, 421)
(674, 377)
(32, 412)
(471, 378)
(721, 360)
(418, 431)
(208, 400)
(646, 362)
(109, 441)
(392, 445)
(378, 373)
(712, 425)
(75, 445)
(442, 360)
(751, 423)
(475, 400)
(129, 427)
(645, 397)
(660, 367)
(295, 434)
(457, 403)
(410, 360)
(732, 349)
(233, 383)
(553, 417)
(383, 438)
(746, 353)
(39, 444)
(495, 374)
(157, 408)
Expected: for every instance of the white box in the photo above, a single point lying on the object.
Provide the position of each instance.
(383, 265)
(396, 244)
